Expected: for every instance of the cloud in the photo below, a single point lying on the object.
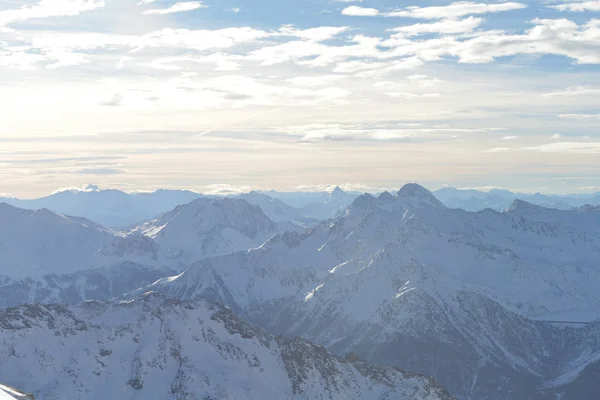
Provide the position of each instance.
(176, 8)
(356, 11)
(568, 148)
(446, 26)
(580, 116)
(579, 6)
(404, 95)
(450, 11)
(100, 171)
(49, 8)
(499, 150)
(573, 91)
(455, 10)
(313, 81)
(556, 136)
(374, 132)
(509, 138)
(114, 101)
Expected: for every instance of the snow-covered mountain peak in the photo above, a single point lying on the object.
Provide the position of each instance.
(416, 195)
(207, 227)
(523, 206)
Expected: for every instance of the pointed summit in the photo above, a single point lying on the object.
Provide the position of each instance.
(523, 206)
(91, 188)
(337, 191)
(415, 195)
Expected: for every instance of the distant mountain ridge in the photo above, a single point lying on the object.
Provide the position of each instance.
(49, 257)
(499, 199)
(111, 208)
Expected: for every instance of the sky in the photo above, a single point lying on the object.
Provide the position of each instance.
(264, 94)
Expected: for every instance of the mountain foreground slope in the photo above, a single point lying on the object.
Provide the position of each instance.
(159, 348)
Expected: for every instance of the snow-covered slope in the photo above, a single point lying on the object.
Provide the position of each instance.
(278, 211)
(207, 227)
(160, 348)
(8, 393)
(35, 243)
(317, 206)
(112, 208)
(402, 279)
(48, 257)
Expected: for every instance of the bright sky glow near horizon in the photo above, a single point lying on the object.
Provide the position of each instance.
(146, 94)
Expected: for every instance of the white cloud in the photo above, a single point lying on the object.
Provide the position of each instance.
(455, 10)
(580, 116)
(387, 132)
(579, 6)
(423, 80)
(556, 136)
(568, 148)
(313, 81)
(446, 26)
(318, 34)
(509, 138)
(49, 8)
(356, 11)
(573, 91)
(121, 63)
(404, 95)
(176, 8)
(499, 150)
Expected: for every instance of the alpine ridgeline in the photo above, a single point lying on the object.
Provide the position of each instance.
(159, 348)
(467, 298)
(49, 257)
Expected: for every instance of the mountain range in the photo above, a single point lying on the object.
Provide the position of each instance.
(490, 304)
(159, 348)
(111, 208)
(404, 280)
(500, 199)
(50, 257)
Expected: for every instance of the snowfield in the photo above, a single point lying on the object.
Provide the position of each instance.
(159, 348)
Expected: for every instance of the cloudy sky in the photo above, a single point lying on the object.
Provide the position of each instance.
(142, 94)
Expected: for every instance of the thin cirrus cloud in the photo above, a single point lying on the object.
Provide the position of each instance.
(49, 8)
(567, 147)
(572, 91)
(445, 26)
(579, 6)
(176, 8)
(243, 80)
(453, 10)
(580, 116)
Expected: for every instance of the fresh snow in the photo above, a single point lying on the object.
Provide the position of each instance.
(8, 393)
(159, 348)
(402, 279)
